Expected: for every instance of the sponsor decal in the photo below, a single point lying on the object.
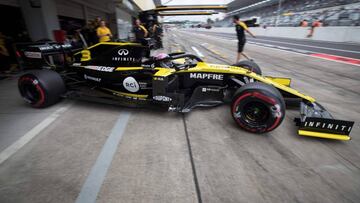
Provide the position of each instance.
(208, 76)
(162, 98)
(122, 56)
(43, 48)
(149, 66)
(328, 126)
(124, 59)
(219, 66)
(206, 89)
(158, 78)
(123, 52)
(143, 85)
(276, 110)
(31, 54)
(130, 84)
(247, 80)
(92, 78)
(49, 47)
(101, 68)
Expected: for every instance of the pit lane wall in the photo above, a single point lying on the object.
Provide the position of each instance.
(333, 34)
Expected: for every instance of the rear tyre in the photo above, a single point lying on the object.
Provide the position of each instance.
(249, 65)
(41, 88)
(258, 107)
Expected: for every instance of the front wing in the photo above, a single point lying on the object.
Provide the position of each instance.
(315, 121)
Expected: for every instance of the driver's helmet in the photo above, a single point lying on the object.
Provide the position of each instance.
(163, 63)
(161, 56)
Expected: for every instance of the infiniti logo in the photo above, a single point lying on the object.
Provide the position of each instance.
(123, 52)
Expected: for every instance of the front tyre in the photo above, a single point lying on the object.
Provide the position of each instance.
(258, 107)
(41, 88)
(249, 65)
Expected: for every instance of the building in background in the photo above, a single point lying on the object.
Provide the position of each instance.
(39, 18)
(289, 13)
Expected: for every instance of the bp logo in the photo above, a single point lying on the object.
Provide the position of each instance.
(130, 84)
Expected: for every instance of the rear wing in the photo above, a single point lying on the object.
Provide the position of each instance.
(40, 54)
(315, 121)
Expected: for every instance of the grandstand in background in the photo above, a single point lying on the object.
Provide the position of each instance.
(291, 12)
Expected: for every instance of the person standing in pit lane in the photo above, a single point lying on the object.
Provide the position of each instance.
(140, 32)
(241, 28)
(4, 54)
(304, 23)
(157, 33)
(315, 24)
(103, 32)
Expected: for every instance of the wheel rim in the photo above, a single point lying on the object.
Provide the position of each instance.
(255, 113)
(31, 91)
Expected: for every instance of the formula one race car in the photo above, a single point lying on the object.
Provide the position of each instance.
(125, 74)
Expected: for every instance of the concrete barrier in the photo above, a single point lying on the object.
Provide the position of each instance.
(333, 34)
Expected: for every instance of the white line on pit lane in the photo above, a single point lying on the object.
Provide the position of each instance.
(282, 48)
(254, 41)
(95, 179)
(303, 45)
(198, 52)
(16, 146)
(288, 49)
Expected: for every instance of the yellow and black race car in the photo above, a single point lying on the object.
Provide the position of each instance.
(125, 74)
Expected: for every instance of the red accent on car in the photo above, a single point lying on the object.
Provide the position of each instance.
(38, 87)
(264, 98)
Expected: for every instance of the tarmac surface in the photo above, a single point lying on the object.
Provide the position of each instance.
(79, 151)
(351, 50)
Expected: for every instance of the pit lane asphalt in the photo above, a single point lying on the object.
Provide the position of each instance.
(350, 50)
(152, 163)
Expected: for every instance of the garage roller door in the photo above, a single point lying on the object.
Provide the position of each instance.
(9, 2)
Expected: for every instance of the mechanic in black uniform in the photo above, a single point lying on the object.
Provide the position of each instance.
(157, 33)
(240, 31)
(140, 32)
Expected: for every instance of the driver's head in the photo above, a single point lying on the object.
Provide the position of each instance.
(164, 63)
(161, 56)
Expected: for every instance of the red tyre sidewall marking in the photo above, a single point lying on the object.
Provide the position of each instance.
(264, 98)
(38, 87)
(275, 124)
(236, 103)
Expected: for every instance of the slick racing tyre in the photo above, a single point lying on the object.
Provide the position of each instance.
(41, 88)
(250, 65)
(258, 107)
